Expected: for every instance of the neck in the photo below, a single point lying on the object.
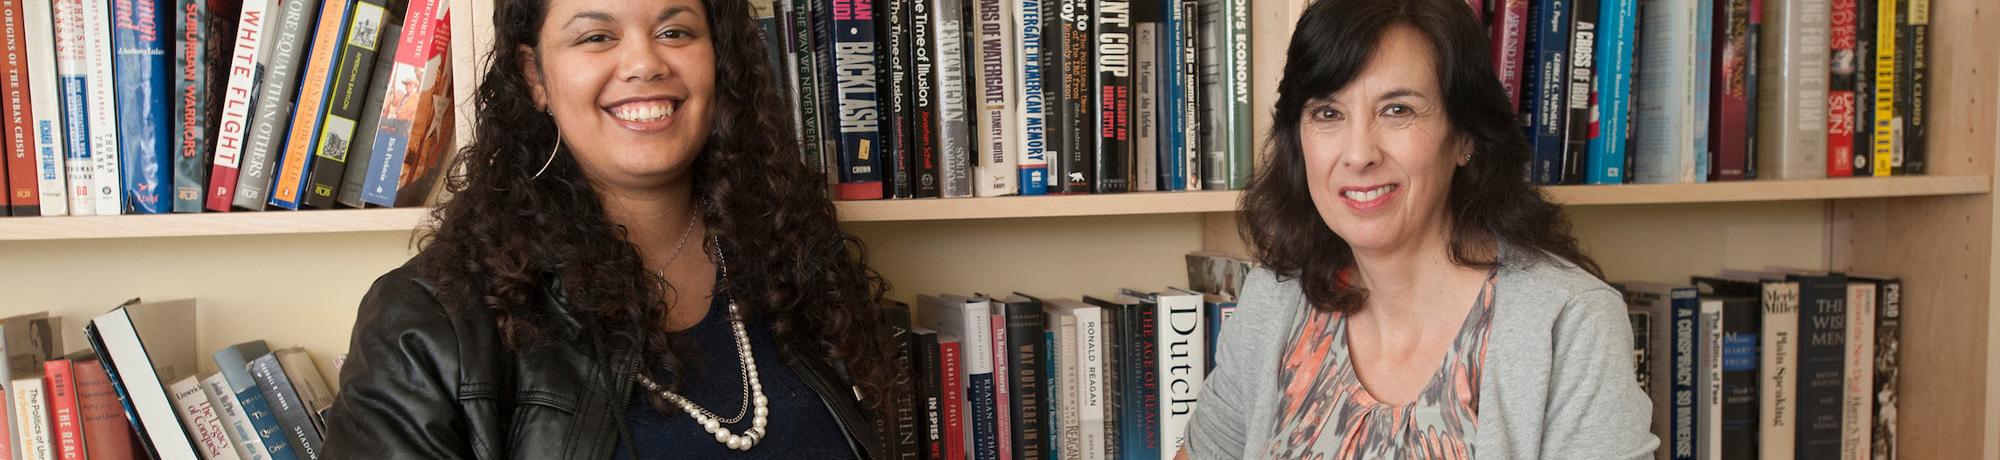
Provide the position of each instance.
(654, 219)
(1405, 282)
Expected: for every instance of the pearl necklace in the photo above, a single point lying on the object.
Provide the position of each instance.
(754, 386)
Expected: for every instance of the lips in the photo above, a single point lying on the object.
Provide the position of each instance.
(644, 110)
(1368, 197)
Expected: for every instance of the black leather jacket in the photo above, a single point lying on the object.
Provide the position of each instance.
(426, 381)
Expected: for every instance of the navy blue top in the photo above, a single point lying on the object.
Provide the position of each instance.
(799, 426)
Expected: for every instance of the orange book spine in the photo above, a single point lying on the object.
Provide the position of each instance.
(312, 104)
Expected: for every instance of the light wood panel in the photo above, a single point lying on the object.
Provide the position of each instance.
(1064, 257)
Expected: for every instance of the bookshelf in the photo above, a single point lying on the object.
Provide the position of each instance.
(295, 277)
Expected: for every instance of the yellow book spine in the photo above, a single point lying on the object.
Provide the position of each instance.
(1885, 87)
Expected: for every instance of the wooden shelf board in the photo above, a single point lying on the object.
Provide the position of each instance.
(403, 220)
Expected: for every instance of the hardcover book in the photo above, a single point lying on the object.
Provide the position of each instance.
(924, 123)
(1840, 92)
(361, 152)
(46, 108)
(1146, 72)
(194, 409)
(1509, 45)
(856, 94)
(144, 87)
(1226, 87)
(1822, 352)
(353, 90)
(1028, 105)
(290, 36)
(236, 424)
(1546, 84)
(107, 434)
(996, 171)
(1778, 401)
(1729, 137)
(296, 151)
(409, 141)
(954, 128)
(969, 320)
(1858, 375)
(1113, 91)
(1913, 43)
(65, 422)
(246, 70)
(142, 346)
(235, 364)
(1791, 131)
(1075, 83)
(1612, 97)
(893, 71)
(294, 418)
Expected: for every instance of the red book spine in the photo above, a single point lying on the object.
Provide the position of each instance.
(1002, 382)
(1729, 129)
(954, 400)
(63, 412)
(1840, 102)
(23, 191)
(107, 434)
(1510, 22)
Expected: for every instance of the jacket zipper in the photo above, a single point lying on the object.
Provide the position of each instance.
(839, 417)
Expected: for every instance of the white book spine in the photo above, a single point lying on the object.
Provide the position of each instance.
(31, 420)
(235, 423)
(1030, 140)
(995, 172)
(103, 106)
(1181, 336)
(241, 92)
(194, 408)
(47, 131)
(955, 139)
(1069, 389)
(154, 407)
(1090, 356)
(1146, 106)
(1709, 390)
(1777, 395)
(1858, 385)
(71, 72)
(1664, 122)
(1793, 64)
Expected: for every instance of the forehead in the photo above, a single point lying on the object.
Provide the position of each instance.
(564, 11)
(1402, 59)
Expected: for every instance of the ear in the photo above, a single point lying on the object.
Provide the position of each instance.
(1462, 150)
(531, 69)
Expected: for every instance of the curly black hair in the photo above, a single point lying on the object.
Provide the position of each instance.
(1490, 200)
(505, 236)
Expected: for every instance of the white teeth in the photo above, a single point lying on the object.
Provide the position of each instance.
(1369, 195)
(645, 111)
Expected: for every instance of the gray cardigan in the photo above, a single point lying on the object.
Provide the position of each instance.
(1558, 379)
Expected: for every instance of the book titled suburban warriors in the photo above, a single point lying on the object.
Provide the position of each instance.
(204, 33)
(351, 92)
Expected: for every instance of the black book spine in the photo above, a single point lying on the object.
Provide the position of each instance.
(1742, 324)
(1888, 338)
(1079, 96)
(930, 395)
(902, 432)
(1864, 88)
(1114, 350)
(1913, 32)
(1113, 19)
(1142, 391)
(1027, 410)
(1823, 329)
(350, 93)
(922, 124)
(894, 34)
(806, 69)
(1582, 75)
(284, 401)
(1053, 118)
(1192, 92)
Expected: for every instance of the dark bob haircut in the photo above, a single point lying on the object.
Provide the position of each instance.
(1490, 202)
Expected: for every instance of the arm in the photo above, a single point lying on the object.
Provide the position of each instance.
(1595, 409)
(399, 386)
(1218, 429)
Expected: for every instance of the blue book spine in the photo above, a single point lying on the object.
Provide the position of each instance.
(856, 94)
(1551, 71)
(1049, 381)
(1173, 119)
(1682, 432)
(261, 418)
(1139, 413)
(314, 121)
(985, 424)
(76, 136)
(1704, 38)
(1606, 165)
(283, 400)
(145, 136)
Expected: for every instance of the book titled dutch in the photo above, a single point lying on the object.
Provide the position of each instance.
(276, 94)
(1180, 334)
(347, 100)
(856, 95)
(233, 126)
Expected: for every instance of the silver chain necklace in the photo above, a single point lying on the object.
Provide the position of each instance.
(753, 386)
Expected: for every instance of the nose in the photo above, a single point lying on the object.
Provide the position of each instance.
(1362, 150)
(641, 61)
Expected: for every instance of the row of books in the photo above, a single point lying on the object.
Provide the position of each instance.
(1773, 364)
(137, 393)
(960, 98)
(1025, 377)
(1713, 90)
(110, 108)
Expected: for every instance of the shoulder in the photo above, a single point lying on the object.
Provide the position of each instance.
(1551, 294)
(411, 301)
(1267, 298)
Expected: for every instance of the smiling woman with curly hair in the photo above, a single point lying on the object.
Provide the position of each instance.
(634, 263)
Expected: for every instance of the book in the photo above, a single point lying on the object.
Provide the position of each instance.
(1840, 93)
(1888, 121)
(1822, 333)
(1791, 131)
(1173, 95)
(1112, 90)
(194, 409)
(851, 53)
(27, 342)
(246, 70)
(1188, 75)
(1912, 68)
(1028, 409)
(236, 424)
(290, 33)
(1146, 71)
(203, 34)
(968, 319)
(1230, 96)
(1888, 341)
(142, 346)
(101, 83)
(1579, 79)
(107, 433)
(314, 392)
(45, 107)
(1028, 106)
(407, 132)
(1180, 343)
(1546, 86)
(1509, 45)
(1777, 370)
(1858, 373)
(1642, 326)
(295, 153)
(234, 362)
(901, 429)
(952, 372)
(1138, 384)
(65, 422)
(893, 70)
(1652, 300)
(929, 391)
(287, 405)
(1003, 381)
(924, 123)
(23, 189)
(1862, 155)
(1741, 318)
(1612, 96)
(1066, 438)
(1067, 88)
(352, 92)
(145, 82)
(1668, 94)
(361, 151)
(954, 129)
(996, 171)
(1728, 123)
(72, 74)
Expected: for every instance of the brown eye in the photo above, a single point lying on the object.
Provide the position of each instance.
(1326, 114)
(1398, 110)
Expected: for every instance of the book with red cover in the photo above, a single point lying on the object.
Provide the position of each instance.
(60, 385)
(1510, 40)
(106, 433)
(954, 396)
(1729, 126)
(1840, 96)
(410, 142)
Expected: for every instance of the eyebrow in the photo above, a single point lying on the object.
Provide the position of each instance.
(1392, 94)
(601, 16)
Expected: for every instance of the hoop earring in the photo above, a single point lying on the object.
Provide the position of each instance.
(552, 155)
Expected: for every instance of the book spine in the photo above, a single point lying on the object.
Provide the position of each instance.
(1069, 430)
(237, 425)
(1729, 140)
(1822, 324)
(425, 34)
(856, 93)
(1613, 92)
(930, 395)
(1025, 92)
(1079, 102)
(31, 418)
(294, 157)
(101, 83)
(1840, 91)
(235, 365)
(1003, 388)
(1581, 72)
(1113, 92)
(1173, 92)
(1777, 401)
(1029, 408)
(1888, 339)
(45, 107)
(1886, 118)
(1681, 441)
(893, 70)
(1509, 45)
(1191, 91)
(276, 95)
(995, 172)
(1212, 80)
(1912, 37)
(144, 82)
(16, 113)
(902, 431)
(983, 378)
(361, 153)
(1700, 156)
(1090, 381)
(1549, 111)
(1708, 391)
(1862, 154)
(1753, 73)
(1146, 96)
(956, 408)
(1664, 91)
(1792, 135)
(955, 139)
(245, 72)
(102, 415)
(1110, 355)
(1142, 406)
(1237, 133)
(67, 29)
(1741, 326)
(923, 125)
(1180, 365)
(345, 102)
(65, 424)
(297, 425)
(1858, 375)
(199, 45)
(805, 65)
(195, 411)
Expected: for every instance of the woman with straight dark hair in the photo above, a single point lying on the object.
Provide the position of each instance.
(1418, 297)
(634, 263)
